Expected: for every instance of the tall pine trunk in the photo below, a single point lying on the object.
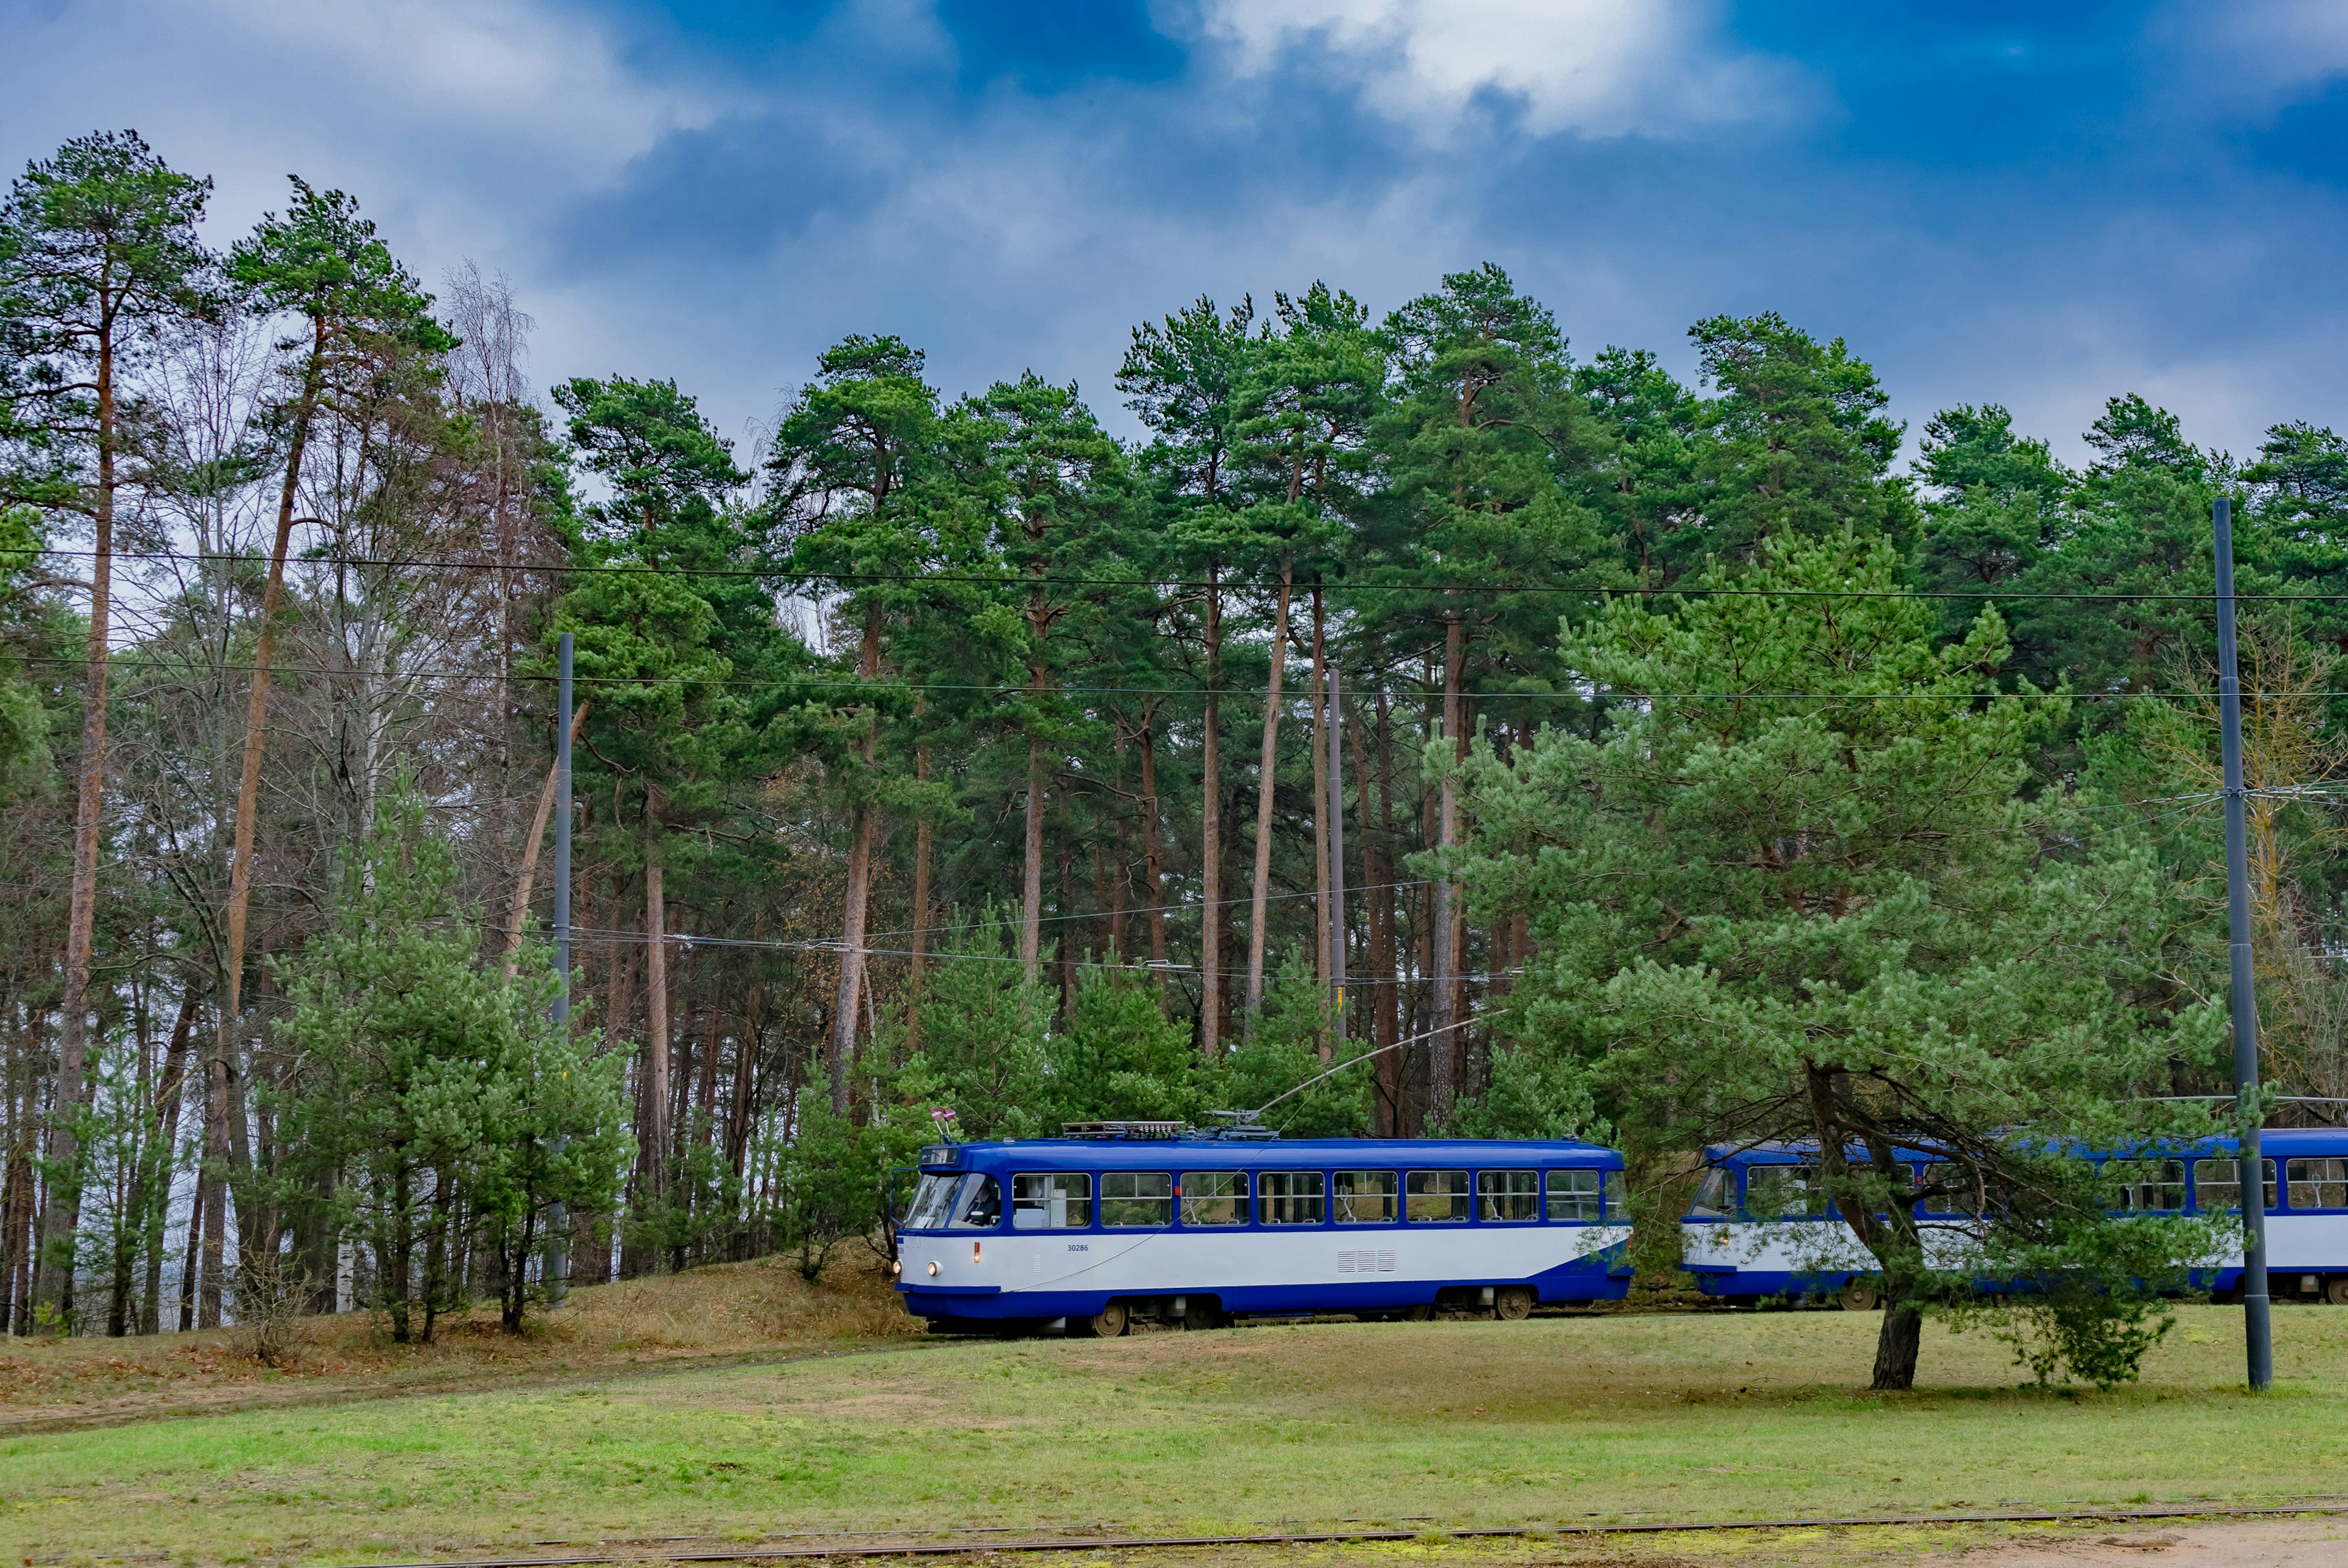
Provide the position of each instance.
(169, 1091)
(1388, 958)
(53, 1267)
(1153, 864)
(1031, 888)
(1031, 883)
(1210, 833)
(212, 1188)
(1377, 898)
(863, 828)
(528, 877)
(248, 789)
(1267, 778)
(920, 912)
(1442, 1081)
(1322, 719)
(657, 1040)
(1067, 923)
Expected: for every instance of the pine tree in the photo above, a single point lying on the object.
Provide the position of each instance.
(437, 1096)
(1182, 378)
(1835, 918)
(852, 449)
(652, 645)
(1473, 535)
(98, 251)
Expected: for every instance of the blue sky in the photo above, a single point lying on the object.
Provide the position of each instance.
(2036, 204)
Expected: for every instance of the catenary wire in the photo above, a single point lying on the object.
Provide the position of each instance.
(1014, 579)
(613, 937)
(134, 661)
(1136, 910)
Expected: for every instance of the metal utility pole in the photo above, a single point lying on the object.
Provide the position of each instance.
(2249, 1168)
(1336, 806)
(558, 1219)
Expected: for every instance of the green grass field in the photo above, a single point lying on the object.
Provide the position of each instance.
(1459, 1422)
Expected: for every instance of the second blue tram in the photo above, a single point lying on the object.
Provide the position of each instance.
(1760, 1224)
(1198, 1228)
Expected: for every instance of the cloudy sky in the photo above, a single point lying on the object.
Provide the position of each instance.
(2036, 203)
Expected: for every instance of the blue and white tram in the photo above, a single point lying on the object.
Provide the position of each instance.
(2307, 1210)
(1196, 1228)
(1761, 1225)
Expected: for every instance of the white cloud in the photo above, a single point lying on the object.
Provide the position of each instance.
(2259, 51)
(460, 123)
(1602, 68)
(465, 128)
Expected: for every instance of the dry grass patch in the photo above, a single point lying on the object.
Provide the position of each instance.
(728, 1310)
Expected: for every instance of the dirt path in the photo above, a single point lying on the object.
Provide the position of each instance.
(2304, 1543)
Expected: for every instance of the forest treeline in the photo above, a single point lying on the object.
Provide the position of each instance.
(945, 750)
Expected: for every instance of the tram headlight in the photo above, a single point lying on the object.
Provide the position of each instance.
(933, 1271)
(897, 1269)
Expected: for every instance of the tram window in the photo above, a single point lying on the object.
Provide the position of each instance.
(2218, 1184)
(1961, 1193)
(1051, 1200)
(980, 1207)
(1137, 1198)
(1214, 1197)
(2153, 1186)
(1580, 1196)
(1716, 1195)
(1509, 1197)
(1365, 1197)
(1289, 1197)
(2317, 1183)
(931, 1203)
(1437, 1197)
(1784, 1192)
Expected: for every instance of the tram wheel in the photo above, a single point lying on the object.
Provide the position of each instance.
(1106, 1324)
(1199, 1316)
(2336, 1290)
(1859, 1296)
(1418, 1314)
(1513, 1303)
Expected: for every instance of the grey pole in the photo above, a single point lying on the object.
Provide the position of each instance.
(1334, 729)
(2257, 1331)
(562, 836)
(558, 1219)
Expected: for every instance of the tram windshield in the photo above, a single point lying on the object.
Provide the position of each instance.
(931, 1203)
(1716, 1195)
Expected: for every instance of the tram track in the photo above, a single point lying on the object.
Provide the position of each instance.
(867, 1547)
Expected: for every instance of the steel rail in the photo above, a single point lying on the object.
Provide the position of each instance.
(753, 1554)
